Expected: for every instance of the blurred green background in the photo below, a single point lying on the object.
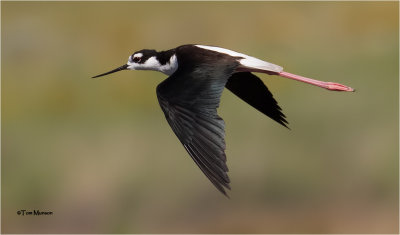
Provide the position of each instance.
(101, 156)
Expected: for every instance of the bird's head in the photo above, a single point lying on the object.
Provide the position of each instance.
(143, 60)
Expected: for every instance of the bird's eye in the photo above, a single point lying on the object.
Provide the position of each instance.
(136, 59)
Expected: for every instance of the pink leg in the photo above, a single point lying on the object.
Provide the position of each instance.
(327, 85)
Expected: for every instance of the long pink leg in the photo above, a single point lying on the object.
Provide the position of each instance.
(327, 85)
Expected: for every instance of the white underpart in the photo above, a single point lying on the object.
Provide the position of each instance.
(153, 64)
(247, 61)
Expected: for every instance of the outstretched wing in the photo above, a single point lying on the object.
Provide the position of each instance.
(189, 99)
(252, 90)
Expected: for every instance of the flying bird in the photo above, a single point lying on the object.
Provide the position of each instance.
(191, 94)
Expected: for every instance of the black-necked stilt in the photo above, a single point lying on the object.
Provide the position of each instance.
(190, 96)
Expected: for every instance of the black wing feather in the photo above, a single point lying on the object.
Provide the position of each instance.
(202, 135)
(189, 99)
(253, 91)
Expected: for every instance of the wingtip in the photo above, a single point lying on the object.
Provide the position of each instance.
(225, 193)
(282, 121)
(286, 127)
(227, 196)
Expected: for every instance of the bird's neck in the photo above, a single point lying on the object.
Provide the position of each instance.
(168, 63)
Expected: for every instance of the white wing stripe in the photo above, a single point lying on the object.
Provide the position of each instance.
(247, 61)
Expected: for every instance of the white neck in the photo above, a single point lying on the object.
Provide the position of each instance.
(170, 67)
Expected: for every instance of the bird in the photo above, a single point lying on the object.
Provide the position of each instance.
(190, 95)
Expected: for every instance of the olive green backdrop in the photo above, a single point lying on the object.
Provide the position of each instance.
(99, 154)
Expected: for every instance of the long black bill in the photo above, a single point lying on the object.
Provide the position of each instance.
(123, 67)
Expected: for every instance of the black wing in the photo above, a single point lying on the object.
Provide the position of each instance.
(189, 99)
(251, 89)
